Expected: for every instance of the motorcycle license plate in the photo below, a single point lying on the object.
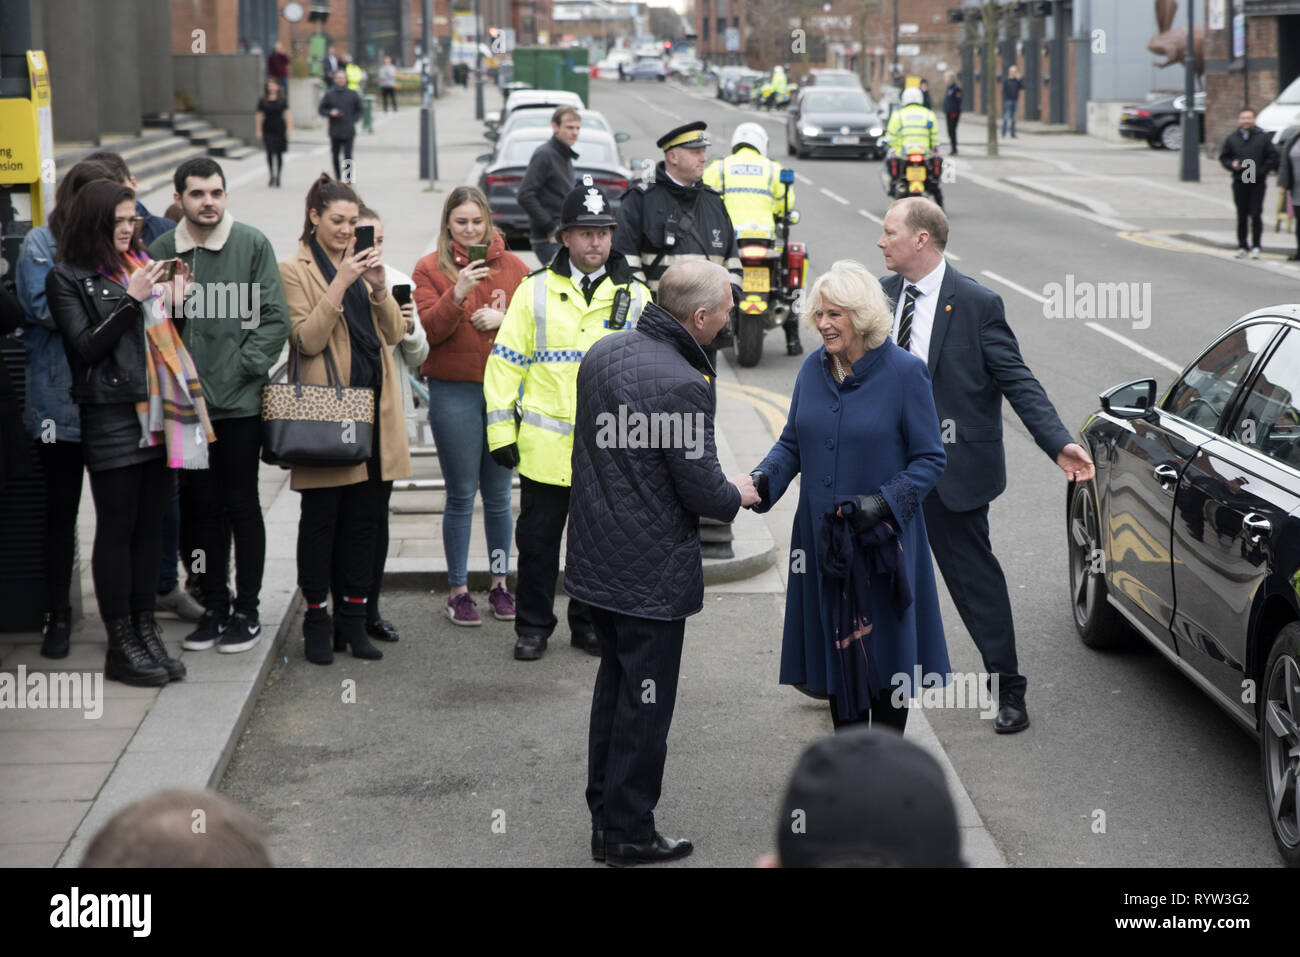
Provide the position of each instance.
(844, 140)
(756, 279)
(916, 174)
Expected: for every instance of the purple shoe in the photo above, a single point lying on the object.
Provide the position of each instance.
(462, 610)
(503, 604)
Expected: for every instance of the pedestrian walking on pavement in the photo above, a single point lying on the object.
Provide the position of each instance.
(273, 126)
(343, 107)
(277, 68)
(461, 302)
(586, 293)
(338, 300)
(142, 412)
(50, 413)
(858, 392)
(408, 355)
(548, 180)
(234, 348)
(634, 546)
(1288, 178)
(952, 109)
(1011, 87)
(388, 84)
(925, 94)
(941, 314)
(1248, 154)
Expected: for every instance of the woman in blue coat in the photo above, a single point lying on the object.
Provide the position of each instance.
(862, 430)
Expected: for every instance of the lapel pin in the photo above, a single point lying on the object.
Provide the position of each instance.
(947, 308)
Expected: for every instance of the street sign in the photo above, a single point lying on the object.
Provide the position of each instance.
(731, 40)
(908, 28)
(909, 49)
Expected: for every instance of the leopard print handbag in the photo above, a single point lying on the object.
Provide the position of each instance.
(319, 426)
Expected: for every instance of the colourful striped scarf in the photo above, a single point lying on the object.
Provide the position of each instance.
(174, 413)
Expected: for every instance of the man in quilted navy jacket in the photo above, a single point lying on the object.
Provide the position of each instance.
(645, 468)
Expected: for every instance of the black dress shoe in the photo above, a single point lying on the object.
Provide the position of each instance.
(529, 647)
(793, 347)
(1012, 716)
(381, 629)
(653, 851)
(598, 845)
(586, 641)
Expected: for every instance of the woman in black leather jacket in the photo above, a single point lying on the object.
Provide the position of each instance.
(102, 296)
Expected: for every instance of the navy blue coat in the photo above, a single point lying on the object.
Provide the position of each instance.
(878, 433)
(635, 505)
(974, 360)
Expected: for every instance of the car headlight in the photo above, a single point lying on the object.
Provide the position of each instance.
(810, 130)
(877, 131)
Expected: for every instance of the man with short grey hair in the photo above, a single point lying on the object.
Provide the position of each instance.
(645, 469)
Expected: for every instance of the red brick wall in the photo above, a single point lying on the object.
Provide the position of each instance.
(218, 19)
(1227, 92)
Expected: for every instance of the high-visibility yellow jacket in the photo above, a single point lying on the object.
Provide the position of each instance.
(913, 129)
(547, 330)
(354, 74)
(752, 191)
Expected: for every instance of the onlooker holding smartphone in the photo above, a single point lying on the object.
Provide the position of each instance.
(408, 354)
(142, 410)
(461, 305)
(338, 299)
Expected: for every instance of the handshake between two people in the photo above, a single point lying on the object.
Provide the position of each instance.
(865, 511)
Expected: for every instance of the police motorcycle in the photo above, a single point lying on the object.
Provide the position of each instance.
(770, 97)
(913, 174)
(773, 278)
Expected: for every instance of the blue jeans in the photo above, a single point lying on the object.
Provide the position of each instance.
(458, 417)
(1009, 116)
(544, 251)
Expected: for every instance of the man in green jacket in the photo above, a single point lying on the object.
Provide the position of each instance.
(234, 323)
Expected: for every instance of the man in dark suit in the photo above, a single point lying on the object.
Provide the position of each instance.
(960, 329)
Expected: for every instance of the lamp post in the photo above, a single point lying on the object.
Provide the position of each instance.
(1191, 169)
(428, 140)
(478, 61)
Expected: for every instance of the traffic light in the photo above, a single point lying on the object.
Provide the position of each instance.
(668, 44)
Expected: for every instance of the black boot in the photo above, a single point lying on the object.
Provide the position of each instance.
(147, 630)
(316, 634)
(351, 630)
(793, 346)
(56, 633)
(127, 661)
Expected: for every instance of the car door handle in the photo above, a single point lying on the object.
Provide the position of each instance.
(1166, 474)
(1256, 526)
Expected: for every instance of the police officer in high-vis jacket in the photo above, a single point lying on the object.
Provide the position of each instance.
(755, 198)
(587, 292)
(914, 129)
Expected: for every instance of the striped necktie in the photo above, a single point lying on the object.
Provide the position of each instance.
(904, 337)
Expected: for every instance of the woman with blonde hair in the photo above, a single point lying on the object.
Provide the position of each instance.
(461, 301)
(862, 608)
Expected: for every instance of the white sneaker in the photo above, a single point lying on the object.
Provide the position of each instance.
(180, 603)
(1254, 253)
(1241, 253)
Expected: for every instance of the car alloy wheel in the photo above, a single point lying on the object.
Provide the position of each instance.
(1280, 741)
(1171, 137)
(1084, 574)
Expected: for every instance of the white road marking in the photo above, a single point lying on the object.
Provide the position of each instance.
(871, 216)
(1143, 351)
(835, 196)
(802, 178)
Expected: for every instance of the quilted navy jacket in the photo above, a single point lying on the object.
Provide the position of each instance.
(645, 468)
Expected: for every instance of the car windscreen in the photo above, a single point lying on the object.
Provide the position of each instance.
(837, 101)
(1291, 95)
(528, 119)
(519, 150)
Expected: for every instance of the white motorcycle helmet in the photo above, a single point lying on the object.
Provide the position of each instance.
(751, 134)
(912, 96)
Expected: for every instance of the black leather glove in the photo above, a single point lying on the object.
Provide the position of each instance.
(761, 484)
(871, 511)
(507, 456)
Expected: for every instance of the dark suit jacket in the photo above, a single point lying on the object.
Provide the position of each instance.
(974, 361)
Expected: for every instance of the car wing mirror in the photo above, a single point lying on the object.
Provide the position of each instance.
(622, 137)
(1132, 400)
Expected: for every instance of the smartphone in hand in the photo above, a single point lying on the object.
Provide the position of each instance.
(402, 293)
(477, 252)
(365, 238)
(169, 270)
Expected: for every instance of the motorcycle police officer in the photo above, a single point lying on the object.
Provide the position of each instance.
(914, 129)
(585, 293)
(677, 218)
(755, 198)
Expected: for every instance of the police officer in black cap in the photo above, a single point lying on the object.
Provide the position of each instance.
(676, 218)
(585, 293)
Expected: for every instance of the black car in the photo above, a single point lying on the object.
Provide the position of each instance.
(504, 168)
(830, 120)
(1190, 536)
(1160, 122)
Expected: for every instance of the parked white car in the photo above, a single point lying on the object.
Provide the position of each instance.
(1283, 112)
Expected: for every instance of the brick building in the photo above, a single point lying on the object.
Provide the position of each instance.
(721, 32)
(1252, 75)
